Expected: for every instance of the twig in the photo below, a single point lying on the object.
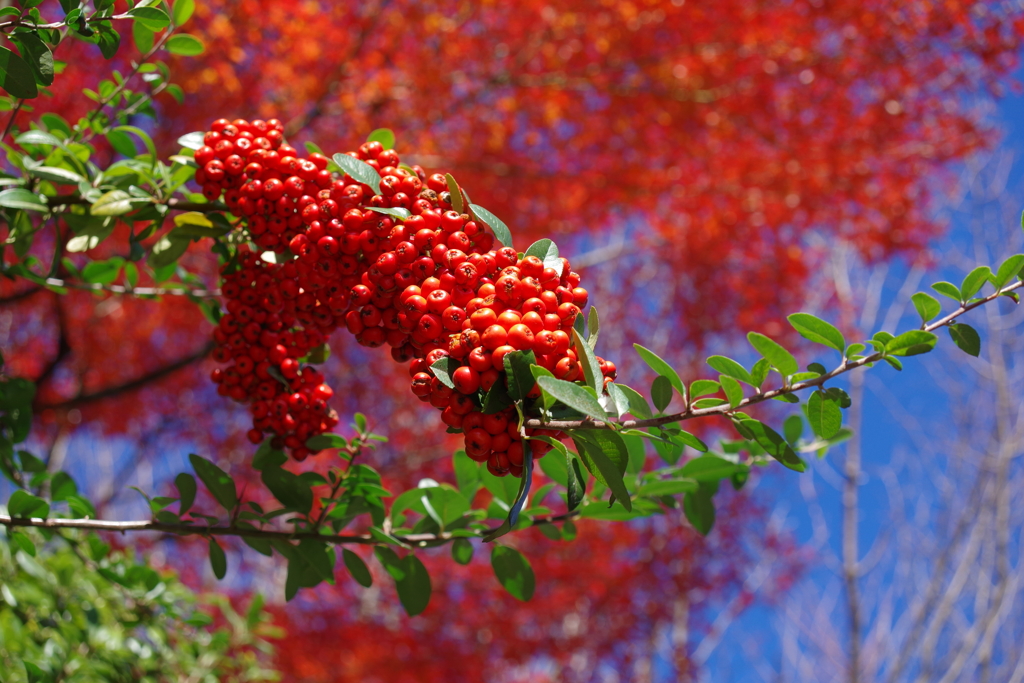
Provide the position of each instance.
(173, 203)
(132, 291)
(726, 409)
(10, 121)
(187, 529)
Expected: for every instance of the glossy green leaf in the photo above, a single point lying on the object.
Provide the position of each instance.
(1008, 270)
(661, 367)
(20, 198)
(216, 481)
(774, 444)
(606, 456)
(974, 281)
(661, 393)
(513, 572)
(113, 203)
(462, 551)
(703, 387)
(638, 405)
(60, 176)
(497, 226)
(911, 343)
(927, 306)
(824, 414)
(546, 251)
(24, 504)
(519, 375)
(733, 390)
(397, 212)
(443, 369)
(730, 368)
(186, 485)
(102, 272)
(948, 289)
(218, 561)
(358, 170)
(16, 76)
(182, 11)
(818, 331)
(781, 359)
(184, 45)
(573, 396)
(385, 136)
(967, 338)
(153, 18)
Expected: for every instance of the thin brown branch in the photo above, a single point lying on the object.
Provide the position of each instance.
(187, 529)
(173, 203)
(10, 120)
(691, 413)
(173, 290)
(23, 294)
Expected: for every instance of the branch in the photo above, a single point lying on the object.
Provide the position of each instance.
(187, 529)
(181, 290)
(173, 203)
(726, 409)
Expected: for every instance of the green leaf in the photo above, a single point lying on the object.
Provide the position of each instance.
(455, 192)
(216, 481)
(547, 251)
(497, 226)
(733, 390)
(151, 17)
(576, 487)
(167, 251)
(268, 456)
(700, 511)
(593, 326)
(513, 572)
(316, 554)
(781, 359)
(289, 488)
(20, 198)
(182, 11)
(661, 392)
(793, 428)
(710, 468)
(411, 579)
(950, 290)
(774, 444)
(357, 568)
(669, 487)
(62, 486)
(186, 485)
(637, 403)
(588, 361)
(912, 343)
(606, 456)
(108, 41)
(217, 559)
(443, 369)
(103, 272)
(358, 170)
(1008, 270)
(519, 375)
(398, 212)
(462, 551)
(16, 76)
(974, 281)
(661, 367)
(384, 136)
(573, 396)
(966, 337)
(37, 137)
(730, 368)
(60, 176)
(185, 45)
(192, 140)
(824, 415)
(818, 331)
(38, 56)
(113, 203)
(23, 542)
(467, 473)
(703, 387)
(496, 399)
(24, 504)
(927, 306)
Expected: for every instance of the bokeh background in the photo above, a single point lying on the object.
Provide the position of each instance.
(708, 168)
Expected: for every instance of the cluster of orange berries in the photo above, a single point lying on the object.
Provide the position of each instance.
(429, 286)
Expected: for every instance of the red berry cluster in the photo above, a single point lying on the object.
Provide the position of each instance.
(430, 286)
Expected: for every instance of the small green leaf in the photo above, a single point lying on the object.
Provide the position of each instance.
(385, 136)
(443, 369)
(518, 373)
(397, 212)
(927, 306)
(153, 18)
(703, 387)
(948, 289)
(103, 272)
(547, 251)
(218, 561)
(733, 390)
(824, 415)
(588, 361)
(774, 444)
(185, 45)
(637, 403)
(16, 76)
(730, 368)
(113, 203)
(1008, 270)
(216, 481)
(699, 509)
(661, 392)
(793, 428)
(60, 176)
(167, 251)
(186, 485)
(967, 338)
(912, 343)
(818, 331)
(20, 198)
(662, 368)
(606, 456)
(37, 137)
(462, 551)
(497, 226)
(513, 572)
(62, 486)
(182, 11)
(781, 359)
(974, 281)
(24, 504)
(573, 396)
(358, 170)
(38, 56)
